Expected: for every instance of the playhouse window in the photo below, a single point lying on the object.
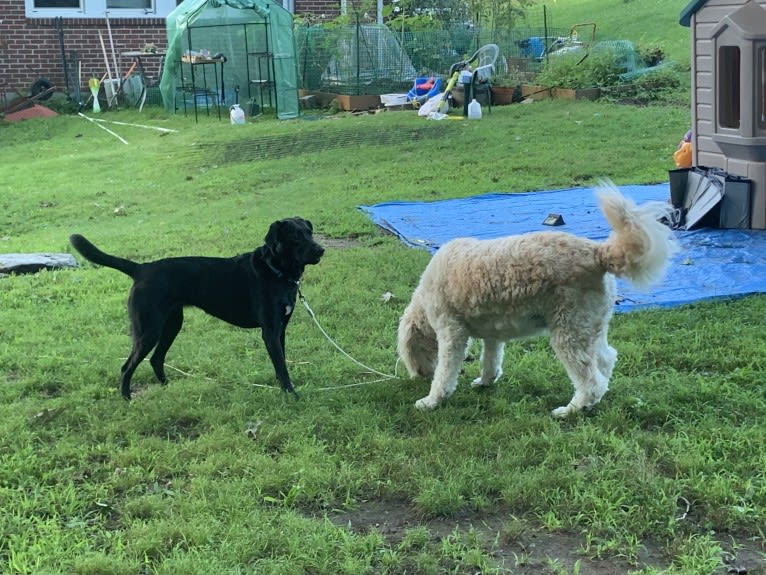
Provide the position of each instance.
(761, 87)
(728, 86)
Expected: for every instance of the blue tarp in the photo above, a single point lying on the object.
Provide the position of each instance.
(712, 263)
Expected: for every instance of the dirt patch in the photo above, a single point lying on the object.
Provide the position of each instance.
(337, 243)
(528, 550)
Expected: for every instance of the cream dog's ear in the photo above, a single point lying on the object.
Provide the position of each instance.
(416, 343)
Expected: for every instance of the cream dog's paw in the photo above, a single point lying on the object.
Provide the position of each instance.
(563, 411)
(479, 382)
(426, 403)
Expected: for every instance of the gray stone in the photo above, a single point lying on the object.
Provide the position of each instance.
(32, 263)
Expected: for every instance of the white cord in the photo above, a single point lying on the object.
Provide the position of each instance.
(385, 376)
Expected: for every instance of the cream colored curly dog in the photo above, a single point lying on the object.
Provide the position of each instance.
(532, 284)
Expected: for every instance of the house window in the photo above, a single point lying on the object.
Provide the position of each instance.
(99, 8)
(728, 87)
(134, 4)
(72, 4)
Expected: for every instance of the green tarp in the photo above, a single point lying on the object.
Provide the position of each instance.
(256, 38)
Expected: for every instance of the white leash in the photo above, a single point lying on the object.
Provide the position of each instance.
(384, 376)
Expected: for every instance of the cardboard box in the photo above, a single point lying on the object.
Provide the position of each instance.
(357, 103)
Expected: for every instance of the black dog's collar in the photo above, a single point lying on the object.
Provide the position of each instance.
(279, 274)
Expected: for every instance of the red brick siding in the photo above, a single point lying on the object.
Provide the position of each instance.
(30, 48)
(319, 8)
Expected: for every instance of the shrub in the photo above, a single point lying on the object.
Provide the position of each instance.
(665, 84)
(652, 55)
(614, 69)
(578, 69)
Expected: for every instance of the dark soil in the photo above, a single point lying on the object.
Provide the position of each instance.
(533, 550)
(337, 243)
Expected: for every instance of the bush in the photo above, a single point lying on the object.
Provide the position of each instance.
(615, 70)
(578, 69)
(652, 55)
(666, 84)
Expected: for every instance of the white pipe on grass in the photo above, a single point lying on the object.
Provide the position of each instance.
(92, 121)
(165, 130)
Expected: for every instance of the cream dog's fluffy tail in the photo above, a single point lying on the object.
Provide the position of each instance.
(640, 246)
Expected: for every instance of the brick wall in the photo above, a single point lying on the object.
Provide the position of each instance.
(30, 48)
(321, 9)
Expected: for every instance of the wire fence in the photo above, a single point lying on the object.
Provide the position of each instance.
(372, 59)
(328, 136)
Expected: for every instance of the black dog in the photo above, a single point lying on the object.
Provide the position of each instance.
(256, 289)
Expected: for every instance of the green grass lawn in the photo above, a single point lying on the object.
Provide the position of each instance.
(220, 472)
(647, 23)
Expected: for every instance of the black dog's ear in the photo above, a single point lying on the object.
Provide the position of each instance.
(272, 237)
(310, 225)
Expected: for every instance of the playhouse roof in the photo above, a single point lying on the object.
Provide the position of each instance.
(749, 18)
(688, 12)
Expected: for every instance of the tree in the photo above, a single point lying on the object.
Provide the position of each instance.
(494, 14)
(426, 14)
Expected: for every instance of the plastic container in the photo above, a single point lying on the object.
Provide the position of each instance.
(237, 114)
(474, 110)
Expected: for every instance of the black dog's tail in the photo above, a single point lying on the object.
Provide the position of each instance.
(92, 253)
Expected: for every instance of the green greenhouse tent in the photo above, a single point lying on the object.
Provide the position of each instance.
(259, 66)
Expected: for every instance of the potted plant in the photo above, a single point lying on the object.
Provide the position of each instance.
(579, 75)
(505, 93)
(512, 84)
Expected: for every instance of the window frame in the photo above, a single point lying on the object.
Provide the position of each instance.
(729, 89)
(151, 3)
(98, 9)
(760, 87)
(78, 2)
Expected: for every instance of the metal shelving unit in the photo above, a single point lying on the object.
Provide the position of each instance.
(260, 65)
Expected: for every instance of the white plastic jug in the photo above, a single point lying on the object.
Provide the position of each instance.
(474, 110)
(237, 115)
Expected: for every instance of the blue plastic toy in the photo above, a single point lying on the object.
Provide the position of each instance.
(424, 88)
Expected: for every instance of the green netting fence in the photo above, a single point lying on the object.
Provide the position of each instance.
(373, 59)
